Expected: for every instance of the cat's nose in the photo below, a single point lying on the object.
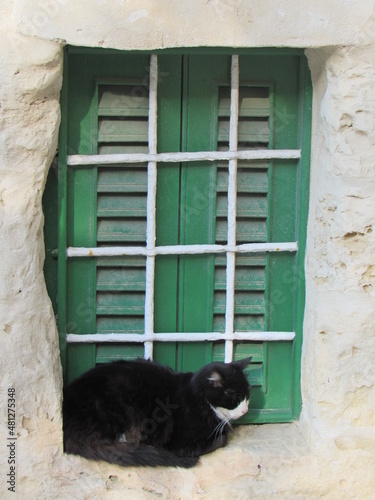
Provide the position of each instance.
(244, 408)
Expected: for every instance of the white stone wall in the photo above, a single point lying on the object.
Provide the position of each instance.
(331, 451)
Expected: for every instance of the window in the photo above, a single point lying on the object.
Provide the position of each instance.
(183, 186)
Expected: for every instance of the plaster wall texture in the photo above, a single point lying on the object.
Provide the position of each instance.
(330, 451)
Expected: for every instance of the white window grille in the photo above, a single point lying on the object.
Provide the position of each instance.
(151, 251)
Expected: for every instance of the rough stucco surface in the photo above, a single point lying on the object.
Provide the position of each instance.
(144, 23)
(330, 452)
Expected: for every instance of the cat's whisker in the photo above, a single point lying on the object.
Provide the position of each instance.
(217, 433)
(218, 430)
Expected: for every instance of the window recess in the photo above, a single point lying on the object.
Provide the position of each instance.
(186, 214)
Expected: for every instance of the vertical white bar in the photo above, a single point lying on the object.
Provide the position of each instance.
(232, 204)
(151, 206)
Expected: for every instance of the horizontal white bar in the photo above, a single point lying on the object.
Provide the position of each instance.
(72, 338)
(118, 159)
(181, 249)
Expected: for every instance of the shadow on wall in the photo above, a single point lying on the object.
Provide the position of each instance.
(50, 210)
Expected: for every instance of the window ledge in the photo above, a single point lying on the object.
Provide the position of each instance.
(260, 461)
(255, 455)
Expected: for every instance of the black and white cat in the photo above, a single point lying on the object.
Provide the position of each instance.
(140, 413)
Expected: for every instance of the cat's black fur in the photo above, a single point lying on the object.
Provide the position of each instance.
(140, 413)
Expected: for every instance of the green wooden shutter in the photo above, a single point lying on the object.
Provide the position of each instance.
(105, 111)
(252, 217)
(121, 215)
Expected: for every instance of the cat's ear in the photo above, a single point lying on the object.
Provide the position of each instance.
(242, 363)
(215, 379)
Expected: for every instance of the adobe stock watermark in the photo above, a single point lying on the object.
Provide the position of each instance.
(42, 14)
(225, 8)
(126, 105)
(369, 29)
(161, 413)
(11, 446)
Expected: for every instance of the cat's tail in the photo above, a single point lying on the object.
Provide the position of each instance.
(129, 454)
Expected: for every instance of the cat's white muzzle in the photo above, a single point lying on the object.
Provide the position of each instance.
(239, 411)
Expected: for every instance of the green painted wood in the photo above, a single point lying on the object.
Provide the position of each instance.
(167, 206)
(122, 230)
(242, 323)
(252, 215)
(253, 101)
(81, 219)
(248, 180)
(83, 228)
(250, 284)
(304, 138)
(120, 295)
(121, 279)
(274, 400)
(122, 100)
(79, 359)
(130, 180)
(249, 131)
(116, 304)
(105, 110)
(117, 206)
(251, 303)
(122, 147)
(116, 352)
(244, 259)
(81, 317)
(247, 206)
(246, 278)
(198, 201)
(120, 324)
(248, 231)
(119, 130)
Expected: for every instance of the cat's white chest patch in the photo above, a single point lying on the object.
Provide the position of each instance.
(226, 414)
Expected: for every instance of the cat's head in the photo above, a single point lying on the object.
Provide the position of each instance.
(225, 388)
